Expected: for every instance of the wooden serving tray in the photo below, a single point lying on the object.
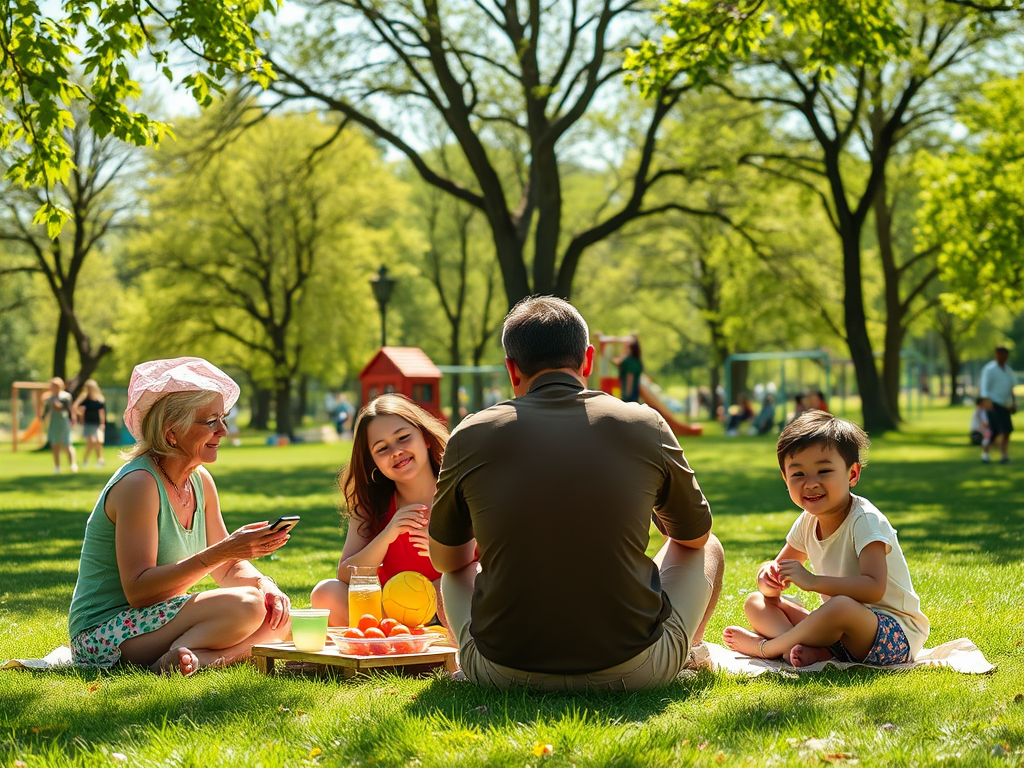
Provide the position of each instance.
(349, 666)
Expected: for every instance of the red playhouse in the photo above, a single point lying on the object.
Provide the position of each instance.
(610, 348)
(407, 371)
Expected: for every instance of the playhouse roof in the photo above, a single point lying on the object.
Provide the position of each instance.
(411, 362)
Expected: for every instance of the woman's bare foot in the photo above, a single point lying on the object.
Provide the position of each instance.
(805, 655)
(176, 660)
(743, 641)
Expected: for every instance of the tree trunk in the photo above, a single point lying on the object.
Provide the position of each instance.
(302, 398)
(956, 396)
(740, 376)
(261, 401)
(89, 364)
(894, 311)
(455, 358)
(60, 347)
(283, 408)
(877, 419)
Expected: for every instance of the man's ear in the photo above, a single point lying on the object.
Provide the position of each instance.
(513, 373)
(854, 473)
(588, 362)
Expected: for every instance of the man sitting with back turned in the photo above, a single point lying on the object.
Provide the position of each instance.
(556, 488)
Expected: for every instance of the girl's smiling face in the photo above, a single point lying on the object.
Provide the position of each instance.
(397, 447)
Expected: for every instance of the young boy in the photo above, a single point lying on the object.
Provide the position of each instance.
(871, 613)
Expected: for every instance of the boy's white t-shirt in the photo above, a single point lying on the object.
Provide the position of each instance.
(839, 554)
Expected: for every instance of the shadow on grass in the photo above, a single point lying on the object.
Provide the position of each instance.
(469, 704)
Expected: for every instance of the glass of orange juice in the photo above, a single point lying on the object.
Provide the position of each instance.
(363, 593)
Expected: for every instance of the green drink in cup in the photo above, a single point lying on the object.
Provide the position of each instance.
(309, 628)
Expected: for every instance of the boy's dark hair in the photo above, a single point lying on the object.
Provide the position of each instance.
(824, 430)
(542, 332)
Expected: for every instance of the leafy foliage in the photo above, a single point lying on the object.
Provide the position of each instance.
(41, 58)
(708, 37)
(973, 203)
(262, 253)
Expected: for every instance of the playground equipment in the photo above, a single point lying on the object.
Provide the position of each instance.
(782, 357)
(609, 347)
(35, 427)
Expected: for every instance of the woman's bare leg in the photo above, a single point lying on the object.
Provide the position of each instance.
(221, 626)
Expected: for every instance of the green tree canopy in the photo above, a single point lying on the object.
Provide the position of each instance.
(42, 58)
(973, 204)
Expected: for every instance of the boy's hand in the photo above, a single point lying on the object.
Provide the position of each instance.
(769, 582)
(793, 572)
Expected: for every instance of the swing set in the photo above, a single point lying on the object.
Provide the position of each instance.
(35, 427)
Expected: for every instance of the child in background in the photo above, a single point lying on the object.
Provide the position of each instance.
(981, 432)
(91, 408)
(388, 487)
(871, 613)
(58, 407)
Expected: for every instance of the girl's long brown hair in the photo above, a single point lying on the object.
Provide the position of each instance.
(367, 500)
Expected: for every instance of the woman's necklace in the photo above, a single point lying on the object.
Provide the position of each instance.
(183, 498)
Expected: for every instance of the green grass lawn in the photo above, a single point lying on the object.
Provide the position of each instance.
(960, 526)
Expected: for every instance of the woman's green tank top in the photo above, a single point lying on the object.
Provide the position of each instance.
(98, 595)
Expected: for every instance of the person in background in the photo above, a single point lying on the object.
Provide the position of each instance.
(981, 432)
(59, 408)
(816, 400)
(157, 531)
(91, 409)
(997, 380)
(631, 367)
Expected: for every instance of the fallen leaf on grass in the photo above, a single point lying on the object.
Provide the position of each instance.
(540, 750)
(1019, 698)
(720, 757)
(836, 757)
(93, 687)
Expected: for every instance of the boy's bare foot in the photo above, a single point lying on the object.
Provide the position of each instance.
(743, 641)
(176, 660)
(805, 655)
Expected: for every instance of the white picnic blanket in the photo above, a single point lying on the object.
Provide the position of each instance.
(58, 657)
(959, 655)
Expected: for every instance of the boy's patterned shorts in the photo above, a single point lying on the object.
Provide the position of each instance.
(101, 646)
(891, 645)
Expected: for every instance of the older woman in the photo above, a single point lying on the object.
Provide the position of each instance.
(157, 530)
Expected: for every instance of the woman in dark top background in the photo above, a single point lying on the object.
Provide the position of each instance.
(630, 368)
(91, 408)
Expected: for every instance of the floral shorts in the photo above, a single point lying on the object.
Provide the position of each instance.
(100, 646)
(891, 645)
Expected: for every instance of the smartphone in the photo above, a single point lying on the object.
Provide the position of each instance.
(285, 523)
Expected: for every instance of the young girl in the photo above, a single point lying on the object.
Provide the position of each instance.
(58, 407)
(91, 409)
(388, 487)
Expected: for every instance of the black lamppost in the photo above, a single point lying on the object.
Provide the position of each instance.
(382, 286)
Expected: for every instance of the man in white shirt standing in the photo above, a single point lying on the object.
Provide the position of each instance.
(997, 380)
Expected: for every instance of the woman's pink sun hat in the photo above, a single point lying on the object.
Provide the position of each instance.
(152, 380)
